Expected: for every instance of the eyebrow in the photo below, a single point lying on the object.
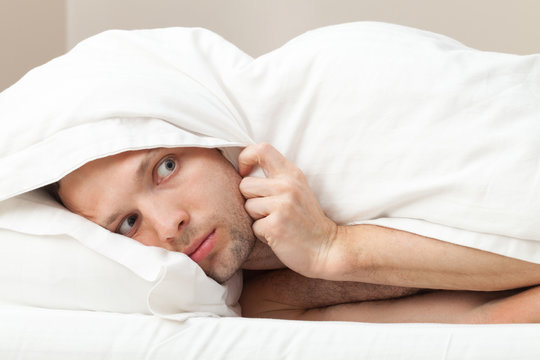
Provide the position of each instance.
(143, 166)
(111, 219)
(139, 176)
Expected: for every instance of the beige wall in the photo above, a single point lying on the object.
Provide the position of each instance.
(261, 25)
(31, 33)
(34, 31)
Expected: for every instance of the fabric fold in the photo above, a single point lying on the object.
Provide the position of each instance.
(392, 125)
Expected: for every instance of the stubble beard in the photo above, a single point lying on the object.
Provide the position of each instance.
(242, 241)
(241, 237)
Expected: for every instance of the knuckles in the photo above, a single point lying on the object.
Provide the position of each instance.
(293, 191)
(255, 151)
(297, 174)
(263, 148)
(284, 185)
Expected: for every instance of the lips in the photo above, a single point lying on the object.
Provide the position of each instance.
(201, 247)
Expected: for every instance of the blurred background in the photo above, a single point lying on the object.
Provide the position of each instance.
(35, 31)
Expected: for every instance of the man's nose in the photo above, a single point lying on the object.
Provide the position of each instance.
(168, 222)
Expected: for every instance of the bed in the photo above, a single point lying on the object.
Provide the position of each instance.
(72, 290)
(37, 333)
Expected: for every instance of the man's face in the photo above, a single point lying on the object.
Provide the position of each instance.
(181, 199)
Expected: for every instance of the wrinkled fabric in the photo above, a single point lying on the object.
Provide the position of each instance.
(391, 125)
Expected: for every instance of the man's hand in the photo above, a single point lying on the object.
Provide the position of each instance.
(287, 214)
(289, 218)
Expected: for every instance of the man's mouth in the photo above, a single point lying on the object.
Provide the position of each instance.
(201, 247)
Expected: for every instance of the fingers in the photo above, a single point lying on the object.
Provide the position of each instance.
(272, 201)
(258, 208)
(266, 156)
(251, 187)
(266, 195)
(259, 227)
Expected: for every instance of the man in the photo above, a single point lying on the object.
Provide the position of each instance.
(192, 200)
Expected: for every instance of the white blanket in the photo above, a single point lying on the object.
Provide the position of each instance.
(391, 125)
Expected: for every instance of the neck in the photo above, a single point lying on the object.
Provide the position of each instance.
(262, 258)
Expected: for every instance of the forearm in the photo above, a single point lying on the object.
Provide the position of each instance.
(375, 254)
(450, 307)
(285, 288)
(440, 306)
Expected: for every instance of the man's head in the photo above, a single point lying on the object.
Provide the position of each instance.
(180, 199)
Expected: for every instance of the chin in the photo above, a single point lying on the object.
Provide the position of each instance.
(232, 263)
(221, 277)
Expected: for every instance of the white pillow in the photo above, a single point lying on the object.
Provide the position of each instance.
(44, 263)
(58, 272)
(70, 124)
(391, 125)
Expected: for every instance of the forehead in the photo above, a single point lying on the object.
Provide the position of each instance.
(102, 167)
(97, 179)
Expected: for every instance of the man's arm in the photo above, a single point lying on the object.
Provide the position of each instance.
(289, 218)
(381, 255)
(442, 306)
(287, 287)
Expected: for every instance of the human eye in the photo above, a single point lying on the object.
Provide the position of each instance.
(127, 224)
(165, 168)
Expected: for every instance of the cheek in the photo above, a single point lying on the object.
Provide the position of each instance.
(145, 237)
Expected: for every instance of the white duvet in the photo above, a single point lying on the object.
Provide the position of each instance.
(391, 125)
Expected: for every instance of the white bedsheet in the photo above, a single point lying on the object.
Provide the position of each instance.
(28, 333)
(435, 138)
(390, 124)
